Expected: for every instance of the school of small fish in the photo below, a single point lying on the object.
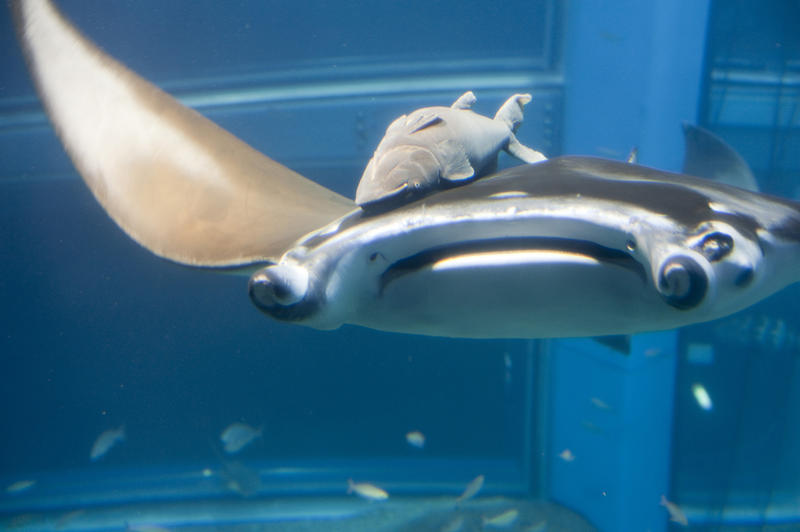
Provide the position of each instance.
(239, 435)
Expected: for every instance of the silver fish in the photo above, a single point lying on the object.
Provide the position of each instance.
(502, 520)
(472, 489)
(676, 514)
(572, 246)
(239, 478)
(366, 490)
(106, 441)
(20, 486)
(237, 436)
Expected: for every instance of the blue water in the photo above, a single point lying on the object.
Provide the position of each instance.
(97, 332)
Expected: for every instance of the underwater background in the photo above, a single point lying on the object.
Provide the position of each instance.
(96, 333)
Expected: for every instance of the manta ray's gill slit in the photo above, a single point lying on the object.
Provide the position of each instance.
(511, 251)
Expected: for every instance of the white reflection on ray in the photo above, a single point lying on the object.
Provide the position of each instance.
(511, 257)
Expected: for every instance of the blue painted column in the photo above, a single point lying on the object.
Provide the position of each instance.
(633, 74)
(610, 426)
(633, 71)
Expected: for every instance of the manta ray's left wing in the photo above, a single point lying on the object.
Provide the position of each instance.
(178, 184)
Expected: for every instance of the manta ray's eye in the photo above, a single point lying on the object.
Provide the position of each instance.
(281, 285)
(716, 246)
(682, 282)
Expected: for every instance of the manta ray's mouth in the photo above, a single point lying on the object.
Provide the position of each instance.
(509, 252)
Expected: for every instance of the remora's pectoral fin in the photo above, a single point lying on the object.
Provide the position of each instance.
(522, 152)
(174, 181)
(456, 166)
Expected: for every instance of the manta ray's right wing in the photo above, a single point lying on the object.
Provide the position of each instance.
(178, 184)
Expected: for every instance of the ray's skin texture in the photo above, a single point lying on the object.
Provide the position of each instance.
(572, 246)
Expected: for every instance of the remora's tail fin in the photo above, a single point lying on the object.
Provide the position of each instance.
(178, 184)
(510, 113)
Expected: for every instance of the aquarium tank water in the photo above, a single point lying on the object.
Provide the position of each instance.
(142, 395)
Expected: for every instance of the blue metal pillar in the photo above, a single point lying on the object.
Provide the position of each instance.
(633, 74)
(610, 425)
(632, 71)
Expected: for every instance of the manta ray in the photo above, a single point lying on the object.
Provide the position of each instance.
(569, 246)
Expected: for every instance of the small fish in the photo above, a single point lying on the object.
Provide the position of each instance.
(68, 517)
(416, 439)
(701, 396)
(368, 491)
(237, 436)
(454, 525)
(591, 427)
(541, 526)
(472, 489)
(20, 486)
(239, 478)
(503, 520)
(106, 441)
(147, 528)
(566, 455)
(599, 403)
(676, 515)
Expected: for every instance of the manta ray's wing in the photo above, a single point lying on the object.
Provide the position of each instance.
(178, 184)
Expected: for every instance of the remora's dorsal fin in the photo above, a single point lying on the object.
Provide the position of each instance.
(177, 183)
(709, 156)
